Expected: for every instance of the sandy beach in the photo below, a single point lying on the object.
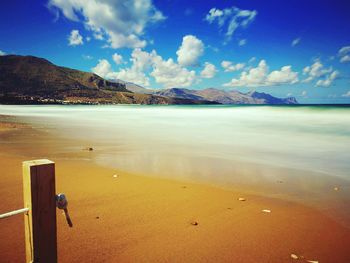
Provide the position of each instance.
(123, 217)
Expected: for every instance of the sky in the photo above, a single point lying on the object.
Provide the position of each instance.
(286, 48)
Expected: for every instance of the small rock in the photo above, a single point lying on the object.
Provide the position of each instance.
(184, 187)
(280, 182)
(266, 211)
(293, 256)
(336, 188)
(88, 149)
(312, 261)
(115, 176)
(194, 223)
(97, 217)
(241, 199)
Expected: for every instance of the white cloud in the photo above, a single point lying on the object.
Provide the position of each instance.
(328, 80)
(121, 23)
(251, 60)
(140, 61)
(131, 75)
(284, 76)
(242, 42)
(165, 72)
(253, 78)
(316, 70)
(345, 59)
(233, 17)
(229, 67)
(103, 68)
(344, 54)
(117, 40)
(190, 51)
(75, 38)
(325, 76)
(260, 76)
(209, 71)
(2, 53)
(118, 59)
(347, 94)
(170, 74)
(344, 50)
(295, 42)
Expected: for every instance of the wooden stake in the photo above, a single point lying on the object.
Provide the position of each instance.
(40, 221)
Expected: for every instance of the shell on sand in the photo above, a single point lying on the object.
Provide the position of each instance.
(266, 211)
(241, 199)
(293, 256)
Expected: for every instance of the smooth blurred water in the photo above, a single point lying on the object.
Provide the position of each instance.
(203, 141)
(299, 153)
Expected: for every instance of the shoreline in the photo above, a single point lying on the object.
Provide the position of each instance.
(145, 219)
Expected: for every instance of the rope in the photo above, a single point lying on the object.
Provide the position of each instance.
(12, 213)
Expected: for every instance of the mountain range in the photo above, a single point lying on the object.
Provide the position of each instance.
(32, 80)
(217, 95)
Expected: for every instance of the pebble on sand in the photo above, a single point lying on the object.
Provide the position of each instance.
(293, 256)
(115, 176)
(242, 199)
(266, 211)
(194, 223)
(88, 149)
(312, 261)
(336, 188)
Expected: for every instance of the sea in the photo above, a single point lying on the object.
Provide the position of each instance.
(300, 152)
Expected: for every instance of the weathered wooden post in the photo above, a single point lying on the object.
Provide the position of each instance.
(40, 221)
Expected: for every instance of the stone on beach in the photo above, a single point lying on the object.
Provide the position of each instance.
(90, 149)
(242, 199)
(266, 211)
(293, 256)
(194, 223)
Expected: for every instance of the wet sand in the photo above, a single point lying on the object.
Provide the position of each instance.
(133, 218)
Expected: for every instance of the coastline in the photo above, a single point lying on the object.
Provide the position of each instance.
(132, 218)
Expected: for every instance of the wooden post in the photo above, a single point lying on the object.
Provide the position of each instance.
(40, 222)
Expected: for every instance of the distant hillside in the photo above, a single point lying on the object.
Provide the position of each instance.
(226, 97)
(28, 79)
(135, 88)
(180, 93)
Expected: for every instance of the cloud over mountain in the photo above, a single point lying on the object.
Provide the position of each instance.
(190, 51)
(260, 77)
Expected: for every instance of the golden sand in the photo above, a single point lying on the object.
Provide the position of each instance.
(132, 218)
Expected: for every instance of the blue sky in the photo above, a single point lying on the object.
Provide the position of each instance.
(285, 48)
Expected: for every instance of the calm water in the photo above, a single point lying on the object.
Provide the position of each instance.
(305, 147)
